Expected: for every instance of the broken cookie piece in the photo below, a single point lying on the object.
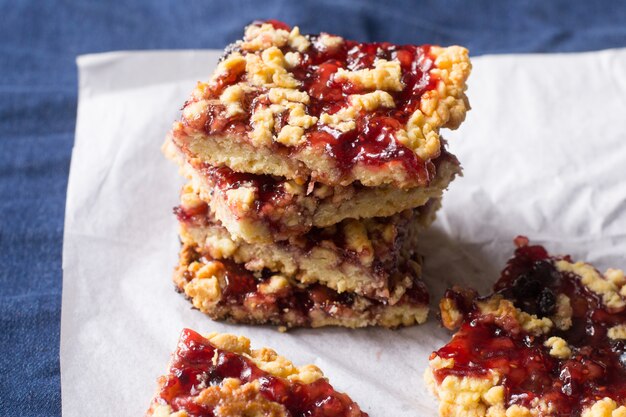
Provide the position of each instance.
(549, 341)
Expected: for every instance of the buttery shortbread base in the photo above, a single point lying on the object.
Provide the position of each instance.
(354, 256)
(239, 155)
(227, 291)
(243, 205)
(549, 342)
(206, 377)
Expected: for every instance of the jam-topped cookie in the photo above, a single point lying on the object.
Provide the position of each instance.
(361, 256)
(549, 341)
(221, 376)
(325, 108)
(226, 290)
(265, 208)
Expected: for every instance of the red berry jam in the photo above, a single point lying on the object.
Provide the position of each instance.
(373, 142)
(596, 367)
(197, 364)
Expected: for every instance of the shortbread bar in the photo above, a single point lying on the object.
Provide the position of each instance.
(225, 290)
(219, 375)
(265, 208)
(326, 109)
(359, 256)
(550, 341)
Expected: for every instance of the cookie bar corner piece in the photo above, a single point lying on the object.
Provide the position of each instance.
(549, 341)
(290, 105)
(219, 375)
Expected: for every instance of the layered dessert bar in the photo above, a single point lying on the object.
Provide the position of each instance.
(361, 256)
(326, 109)
(549, 341)
(219, 375)
(226, 290)
(266, 208)
(313, 161)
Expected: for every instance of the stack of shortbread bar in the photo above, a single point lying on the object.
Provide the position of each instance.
(313, 163)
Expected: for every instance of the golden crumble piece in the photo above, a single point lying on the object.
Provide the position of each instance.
(386, 76)
(607, 289)
(558, 347)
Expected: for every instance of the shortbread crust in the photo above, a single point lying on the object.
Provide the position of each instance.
(264, 208)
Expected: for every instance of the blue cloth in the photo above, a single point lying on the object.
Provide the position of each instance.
(39, 41)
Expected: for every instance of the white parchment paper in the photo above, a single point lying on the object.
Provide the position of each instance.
(544, 153)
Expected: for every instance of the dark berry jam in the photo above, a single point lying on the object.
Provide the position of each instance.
(596, 367)
(196, 215)
(373, 142)
(197, 364)
(270, 191)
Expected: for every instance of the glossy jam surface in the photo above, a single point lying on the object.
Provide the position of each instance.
(596, 367)
(197, 364)
(373, 142)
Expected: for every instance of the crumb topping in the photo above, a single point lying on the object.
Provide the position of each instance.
(385, 76)
(283, 89)
(266, 359)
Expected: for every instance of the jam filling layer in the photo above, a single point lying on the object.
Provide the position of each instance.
(596, 367)
(241, 287)
(198, 364)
